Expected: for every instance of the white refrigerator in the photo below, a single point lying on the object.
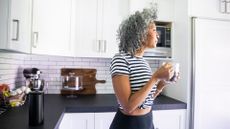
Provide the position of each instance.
(210, 74)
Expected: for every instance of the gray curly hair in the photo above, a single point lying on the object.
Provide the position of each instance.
(133, 30)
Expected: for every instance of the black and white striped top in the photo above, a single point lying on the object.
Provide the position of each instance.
(139, 73)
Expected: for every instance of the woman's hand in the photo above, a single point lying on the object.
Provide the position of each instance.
(165, 72)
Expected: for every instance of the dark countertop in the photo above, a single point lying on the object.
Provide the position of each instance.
(56, 105)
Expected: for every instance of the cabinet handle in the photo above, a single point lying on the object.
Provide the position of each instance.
(224, 6)
(99, 45)
(16, 32)
(228, 7)
(102, 46)
(35, 39)
(105, 45)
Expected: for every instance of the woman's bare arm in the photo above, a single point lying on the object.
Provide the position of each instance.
(129, 101)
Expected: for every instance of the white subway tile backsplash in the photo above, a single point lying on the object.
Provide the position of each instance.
(8, 66)
(11, 61)
(8, 71)
(54, 71)
(39, 58)
(53, 91)
(55, 67)
(56, 58)
(89, 59)
(69, 59)
(77, 59)
(12, 65)
(12, 56)
(31, 62)
(82, 63)
(64, 63)
(95, 64)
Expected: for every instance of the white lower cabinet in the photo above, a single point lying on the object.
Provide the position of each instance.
(86, 120)
(77, 121)
(103, 120)
(162, 119)
(169, 119)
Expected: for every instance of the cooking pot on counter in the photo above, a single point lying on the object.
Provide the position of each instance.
(72, 82)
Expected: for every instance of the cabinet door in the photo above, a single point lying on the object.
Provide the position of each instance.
(77, 121)
(212, 8)
(51, 27)
(84, 19)
(103, 120)
(169, 119)
(19, 26)
(96, 25)
(4, 11)
(112, 14)
(165, 8)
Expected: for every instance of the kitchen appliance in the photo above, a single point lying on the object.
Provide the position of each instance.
(83, 81)
(33, 80)
(210, 66)
(163, 49)
(72, 81)
(164, 39)
(36, 96)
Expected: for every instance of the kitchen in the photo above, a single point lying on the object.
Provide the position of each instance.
(49, 49)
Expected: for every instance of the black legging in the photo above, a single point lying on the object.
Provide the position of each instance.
(122, 121)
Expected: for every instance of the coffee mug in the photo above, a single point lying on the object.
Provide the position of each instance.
(176, 69)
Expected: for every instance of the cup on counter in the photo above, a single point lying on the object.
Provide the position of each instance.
(176, 69)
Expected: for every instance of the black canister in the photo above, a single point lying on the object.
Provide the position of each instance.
(36, 108)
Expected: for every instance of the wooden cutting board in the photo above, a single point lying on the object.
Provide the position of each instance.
(89, 80)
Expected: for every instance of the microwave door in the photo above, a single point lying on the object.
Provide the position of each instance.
(161, 40)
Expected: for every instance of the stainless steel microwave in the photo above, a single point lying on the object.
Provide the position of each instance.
(163, 49)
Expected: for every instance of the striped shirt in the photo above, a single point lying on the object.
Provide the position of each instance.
(139, 73)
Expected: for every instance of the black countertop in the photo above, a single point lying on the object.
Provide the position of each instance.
(56, 105)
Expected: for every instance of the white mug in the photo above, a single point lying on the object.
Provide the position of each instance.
(176, 68)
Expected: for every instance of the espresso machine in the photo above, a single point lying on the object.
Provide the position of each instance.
(36, 96)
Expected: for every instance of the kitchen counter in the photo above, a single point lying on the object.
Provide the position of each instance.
(56, 105)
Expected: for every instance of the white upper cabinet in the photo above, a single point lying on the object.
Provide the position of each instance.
(165, 8)
(210, 8)
(94, 26)
(51, 29)
(84, 17)
(15, 25)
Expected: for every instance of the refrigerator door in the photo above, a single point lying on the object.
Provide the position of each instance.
(211, 69)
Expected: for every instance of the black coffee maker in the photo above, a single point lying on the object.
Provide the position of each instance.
(36, 96)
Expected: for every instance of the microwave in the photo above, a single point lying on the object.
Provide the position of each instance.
(163, 49)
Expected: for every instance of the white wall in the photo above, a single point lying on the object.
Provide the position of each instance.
(181, 52)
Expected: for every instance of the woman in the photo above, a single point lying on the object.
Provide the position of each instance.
(134, 85)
